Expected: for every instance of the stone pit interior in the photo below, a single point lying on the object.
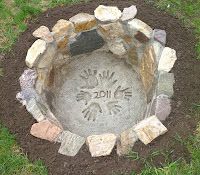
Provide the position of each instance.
(101, 79)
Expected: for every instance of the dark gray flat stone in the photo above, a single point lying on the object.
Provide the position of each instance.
(86, 42)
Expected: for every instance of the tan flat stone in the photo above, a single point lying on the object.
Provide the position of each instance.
(35, 52)
(147, 68)
(43, 33)
(83, 21)
(149, 129)
(107, 13)
(101, 145)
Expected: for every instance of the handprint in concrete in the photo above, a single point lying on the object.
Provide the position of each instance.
(123, 93)
(91, 112)
(84, 96)
(90, 79)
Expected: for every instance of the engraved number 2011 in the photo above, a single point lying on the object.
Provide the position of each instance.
(103, 94)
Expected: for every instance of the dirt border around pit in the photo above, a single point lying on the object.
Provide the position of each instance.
(180, 121)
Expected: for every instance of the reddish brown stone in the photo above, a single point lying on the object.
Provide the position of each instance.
(141, 37)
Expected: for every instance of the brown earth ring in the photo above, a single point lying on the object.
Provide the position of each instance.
(186, 70)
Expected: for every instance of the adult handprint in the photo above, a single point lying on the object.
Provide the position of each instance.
(113, 107)
(91, 112)
(107, 79)
(90, 79)
(123, 93)
(85, 96)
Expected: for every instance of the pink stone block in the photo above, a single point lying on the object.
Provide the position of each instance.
(45, 130)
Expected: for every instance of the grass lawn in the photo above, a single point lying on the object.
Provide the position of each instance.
(13, 17)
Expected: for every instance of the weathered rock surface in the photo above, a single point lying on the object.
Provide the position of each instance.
(45, 61)
(111, 31)
(149, 129)
(129, 13)
(117, 47)
(147, 68)
(83, 21)
(160, 36)
(44, 34)
(107, 13)
(62, 28)
(127, 141)
(133, 56)
(158, 48)
(27, 79)
(101, 145)
(165, 84)
(86, 42)
(137, 25)
(161, 107)
(70, 143)
(45, 130)
(35, 52)
(36, 111)
(167, 59)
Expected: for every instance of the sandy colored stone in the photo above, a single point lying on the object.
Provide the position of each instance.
(111, 31)
(45, 130)
(136, 25)
(101, 145)
(133, 56)
(70, 143)
(43, 33)
(117, 47)
(35, 52)
(107, 13)
(149, 129)
(127, 141)
(62, 28)
(147, 68)
(129, 13)
(45, 61)
(83, 21)
(167, 59)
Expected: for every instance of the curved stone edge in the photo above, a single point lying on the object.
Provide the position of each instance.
(53, 43)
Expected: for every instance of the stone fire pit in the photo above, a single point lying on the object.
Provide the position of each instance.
(99, 79)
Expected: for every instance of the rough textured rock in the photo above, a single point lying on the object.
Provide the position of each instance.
(160, 36)
(158, 48)
(141, 37)
(70, 143)
(62, 28)
(27, 79)
(127, 141)
(117, 47)
(107, 13)
(45, 130)
(111, 31)
(167, 59)
(149, 129)
(36, 111)
(133, 56)
(83, 21)
(101, 145)
(44, 34)
(147, 68)
(161, 107)
(137, 25)
(34, 53)
(129, 13)
(42, 79)
(45, 61)
(165, 84)
(86, 42)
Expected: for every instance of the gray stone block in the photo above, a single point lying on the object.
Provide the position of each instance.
(165, 84)
(86, 42)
